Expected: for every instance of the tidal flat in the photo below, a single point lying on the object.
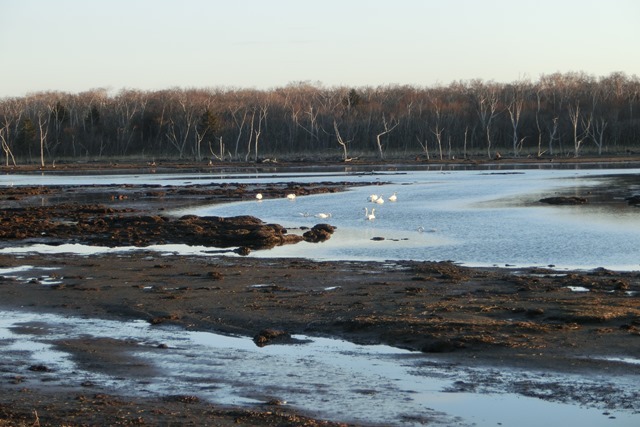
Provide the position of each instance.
(140, 336)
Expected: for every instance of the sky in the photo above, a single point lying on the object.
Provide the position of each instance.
(77, 45)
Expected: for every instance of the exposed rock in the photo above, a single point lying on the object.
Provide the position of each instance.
(633, 200)
(40, 368)
(319, 233)
(243, 250)
(565, 200)
(270, 336)
(99, 225)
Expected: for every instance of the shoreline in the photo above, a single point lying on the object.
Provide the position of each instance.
(462, 318)
(453, 314)
(184, 165)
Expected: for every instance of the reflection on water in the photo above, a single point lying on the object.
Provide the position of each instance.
(331, 379)
(474, 217)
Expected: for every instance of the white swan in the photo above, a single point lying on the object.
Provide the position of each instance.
(259, 196)
(393, 197)
(370, 216)
(380, 200)
(323, 215)
(373, 197)
(291, 196)
(421, 229)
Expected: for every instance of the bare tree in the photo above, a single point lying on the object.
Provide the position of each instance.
(580, 126)
(313, 128)
(599, 121)
(5, 146)
(437, 128)
(43, 128)
(262, 117)
(387, 129)
(251, 126)
(596, 132)
(240, 125)
(126, 105)
(10, 114)
(553, 133)
(205, 128)
(181, 124)
(221, 148)
(464, 151)
(58, 118)
(538, 125)
(424, 144)
(486, 103)
(341, 142)
(514, 108)
(459, 118)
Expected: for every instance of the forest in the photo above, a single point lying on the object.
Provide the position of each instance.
(561, 114)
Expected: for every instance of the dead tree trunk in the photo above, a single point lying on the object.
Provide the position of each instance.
(597, 133)
(44, 129)
(219, 156)
(553, 131)
(253, 119)
(262, 116)
(515, 109)
(425, 146)
(387, 130)
(578, 119)
(5, 147)
(342, 143)
(240, 125)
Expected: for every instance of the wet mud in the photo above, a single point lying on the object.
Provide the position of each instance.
(536, 319)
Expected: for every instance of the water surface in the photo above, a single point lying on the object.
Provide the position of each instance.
(326, 378)
(473, 217)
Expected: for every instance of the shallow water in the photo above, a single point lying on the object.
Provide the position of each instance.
(331, 379)
(476, 218)
(473, 217)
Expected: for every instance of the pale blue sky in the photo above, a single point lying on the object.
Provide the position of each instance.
(76, 45)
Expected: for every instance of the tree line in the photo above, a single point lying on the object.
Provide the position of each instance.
(561, 114)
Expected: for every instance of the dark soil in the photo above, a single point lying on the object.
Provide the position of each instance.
(527, 318)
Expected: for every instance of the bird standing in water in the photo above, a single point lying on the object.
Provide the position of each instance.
(370, 216)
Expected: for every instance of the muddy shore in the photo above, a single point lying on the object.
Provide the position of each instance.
(528, 318)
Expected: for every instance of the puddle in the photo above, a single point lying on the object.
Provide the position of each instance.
(626, 360)
(45, 280)
(327, 378)
(11, 271)
(577, 289)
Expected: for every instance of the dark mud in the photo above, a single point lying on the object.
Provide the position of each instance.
(128, 216)
(531, 318)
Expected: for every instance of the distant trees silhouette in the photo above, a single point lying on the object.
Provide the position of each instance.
(558, 115)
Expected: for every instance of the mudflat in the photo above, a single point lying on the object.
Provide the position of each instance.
(526, 318)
